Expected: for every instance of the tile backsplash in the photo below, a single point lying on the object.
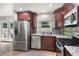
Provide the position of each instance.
(69, 31)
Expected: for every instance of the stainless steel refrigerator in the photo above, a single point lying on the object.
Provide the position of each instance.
(22, 35)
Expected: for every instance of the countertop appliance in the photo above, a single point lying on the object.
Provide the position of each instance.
(71, 18)
(22, 35)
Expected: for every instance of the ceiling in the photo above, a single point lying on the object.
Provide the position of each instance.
(37, 7)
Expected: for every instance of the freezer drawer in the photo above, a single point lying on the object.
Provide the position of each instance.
(20, 46)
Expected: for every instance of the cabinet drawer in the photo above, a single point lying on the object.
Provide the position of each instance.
(48, 37)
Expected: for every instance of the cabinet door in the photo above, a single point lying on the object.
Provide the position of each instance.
(52, 43)
(35, 42)
(23, 16)
(44, 43)
(33, 23)
(68, 7)
(48, 43)
(59, 20)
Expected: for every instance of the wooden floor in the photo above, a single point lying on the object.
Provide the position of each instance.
(6, 49)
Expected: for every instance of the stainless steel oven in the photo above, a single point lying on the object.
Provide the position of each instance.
(60, 49)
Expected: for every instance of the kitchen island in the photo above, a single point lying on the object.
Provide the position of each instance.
(70, 47)
(73, 50)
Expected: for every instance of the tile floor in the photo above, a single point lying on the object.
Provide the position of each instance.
(6, 49)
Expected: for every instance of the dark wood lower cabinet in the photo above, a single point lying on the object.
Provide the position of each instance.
(48, 43)
(67, 53)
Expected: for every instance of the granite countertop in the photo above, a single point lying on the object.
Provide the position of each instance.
(73, 50)
(71, 45)
(57, 36)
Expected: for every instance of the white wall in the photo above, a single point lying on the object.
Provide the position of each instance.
(6, 9)
(14, 16)
(6, 13)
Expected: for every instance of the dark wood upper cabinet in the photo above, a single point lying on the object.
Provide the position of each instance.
(68, 7)
(33, 22)
(23, 16)
(30, 16)
(59, 18)
(60, 12)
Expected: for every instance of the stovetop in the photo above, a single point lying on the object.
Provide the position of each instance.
(69, 42)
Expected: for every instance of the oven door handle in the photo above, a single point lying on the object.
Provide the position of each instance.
(59, 47)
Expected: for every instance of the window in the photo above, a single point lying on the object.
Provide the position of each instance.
(45, 25)
(11, 25)
(4, 25)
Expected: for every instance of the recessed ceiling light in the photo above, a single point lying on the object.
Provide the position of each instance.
(50, 5)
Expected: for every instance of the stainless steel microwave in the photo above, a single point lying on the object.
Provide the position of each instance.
(71, 18)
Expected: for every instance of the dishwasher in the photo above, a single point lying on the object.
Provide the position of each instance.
(35, 42)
